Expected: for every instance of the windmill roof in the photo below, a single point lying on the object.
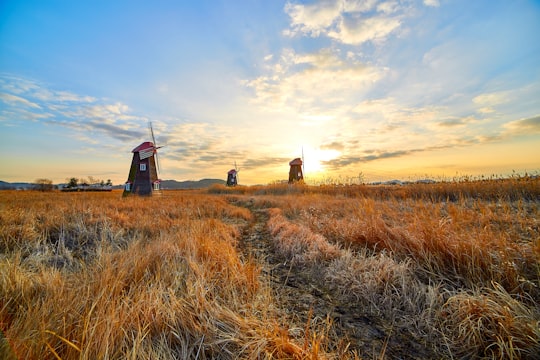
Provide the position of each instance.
(296, 161)
(145, 145)
(232, 171)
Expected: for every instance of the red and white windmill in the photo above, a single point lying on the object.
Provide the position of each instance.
(143, 174)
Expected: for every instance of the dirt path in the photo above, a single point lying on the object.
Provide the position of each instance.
(303, 299)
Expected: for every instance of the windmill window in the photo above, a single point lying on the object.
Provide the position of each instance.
(156, 186)
(143, 167)
(128, 187)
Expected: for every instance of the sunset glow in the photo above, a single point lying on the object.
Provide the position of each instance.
(389, 89)
(314, 162)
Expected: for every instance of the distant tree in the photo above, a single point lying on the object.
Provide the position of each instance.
(43, 185)
(72, 183)
(109, 182)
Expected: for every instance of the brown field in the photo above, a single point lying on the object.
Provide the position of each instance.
(422, 271)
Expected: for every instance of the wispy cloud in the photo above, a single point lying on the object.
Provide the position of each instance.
(189, 147)
(366, 156)
(433, 3)
(312, 83)
(357, 152)
(351, 81)
(335, 145)
(529, 126)
(200, 144)
(25, 99)
(14, 100)
(455, 121)
(264, 161)
(356, 30)
(487, 102)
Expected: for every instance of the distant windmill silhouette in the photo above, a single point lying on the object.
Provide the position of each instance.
(232, 176)
(143, 174)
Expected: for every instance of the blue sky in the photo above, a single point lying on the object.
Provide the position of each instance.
(389, 89)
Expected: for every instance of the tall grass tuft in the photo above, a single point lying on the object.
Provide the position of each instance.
(492, 324)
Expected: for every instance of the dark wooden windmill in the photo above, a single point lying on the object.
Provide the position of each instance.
(232, 176)
(296, 173)
(143, 174)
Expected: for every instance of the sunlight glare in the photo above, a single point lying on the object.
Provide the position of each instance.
(314, 157)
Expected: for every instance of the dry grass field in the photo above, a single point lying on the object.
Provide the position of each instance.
(422, 271)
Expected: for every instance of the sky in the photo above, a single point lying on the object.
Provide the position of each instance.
(370, 90)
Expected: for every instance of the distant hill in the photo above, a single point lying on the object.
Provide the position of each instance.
(165, 184)
(16, 185)
(190, 184)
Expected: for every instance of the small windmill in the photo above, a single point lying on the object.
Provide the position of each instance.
(143, 174)
(295, 172)
(232, 176)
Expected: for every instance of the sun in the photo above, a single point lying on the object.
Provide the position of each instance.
(314, 159)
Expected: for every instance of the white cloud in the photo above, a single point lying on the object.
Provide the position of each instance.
(527, 126)
(348, 22)
(15, 100)
(39, 92)
(314, 18)
(66, 96)
(359, 5)
(356, 31)
(433, 3)
(388, 7)
(16, 85)
(492, 99)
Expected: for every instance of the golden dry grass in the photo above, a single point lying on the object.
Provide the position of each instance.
(412, 254)
(96, 276)
(93, 275)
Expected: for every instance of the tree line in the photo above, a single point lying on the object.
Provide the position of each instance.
(74, 184)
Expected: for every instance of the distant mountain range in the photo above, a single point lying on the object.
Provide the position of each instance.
(165, 184)
(190, 184)
(16, 185)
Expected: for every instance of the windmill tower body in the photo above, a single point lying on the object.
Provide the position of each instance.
(232, 176)
(295, 173)
(143, 178)
(232, 179)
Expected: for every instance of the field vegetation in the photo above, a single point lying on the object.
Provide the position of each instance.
(446, 270)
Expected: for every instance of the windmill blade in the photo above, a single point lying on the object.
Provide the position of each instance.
(152, 133)
(236, 174)
(157, 162)
(153, 137)
(155, 145)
